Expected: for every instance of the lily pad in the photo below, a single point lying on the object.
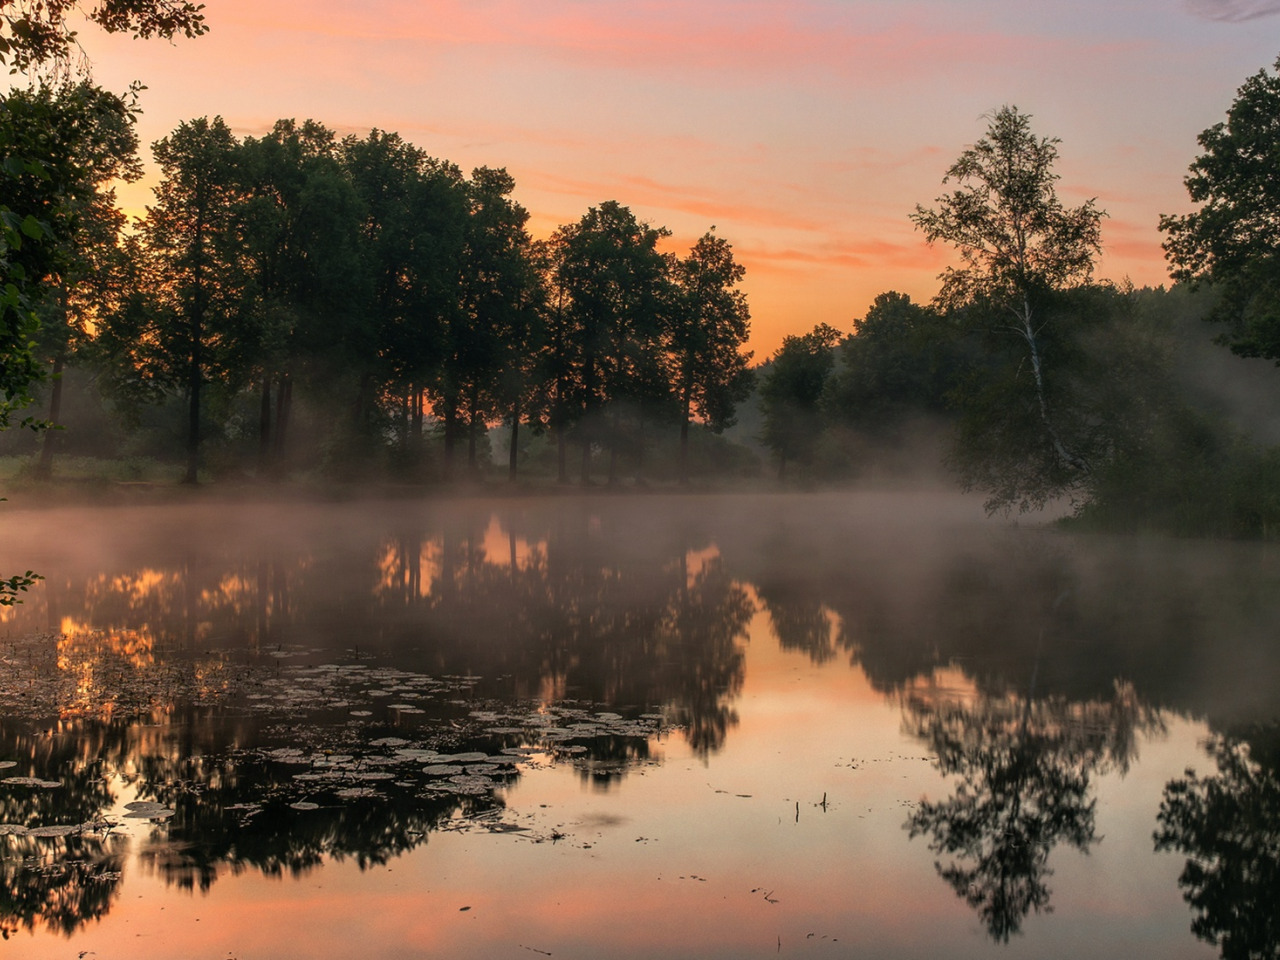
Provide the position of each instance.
(147, 810)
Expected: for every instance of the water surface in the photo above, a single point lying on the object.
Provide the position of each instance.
(810, 726)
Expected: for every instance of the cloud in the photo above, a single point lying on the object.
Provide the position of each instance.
(1234, 11)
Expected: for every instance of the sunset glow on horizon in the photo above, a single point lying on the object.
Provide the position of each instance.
(804, 132)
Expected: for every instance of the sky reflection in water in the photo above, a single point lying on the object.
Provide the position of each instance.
(867, 725)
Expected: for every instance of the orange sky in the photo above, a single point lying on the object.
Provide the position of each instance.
(805, 131)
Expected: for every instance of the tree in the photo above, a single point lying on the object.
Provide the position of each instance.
(614, 281)
(195, 268)
(300, 220)
(901, 359)
(1232, 242)
(501, 297)
(413, 215)
(33, 32)
(791, 394)
(1019, 248)
(709, 325)
(97, 128)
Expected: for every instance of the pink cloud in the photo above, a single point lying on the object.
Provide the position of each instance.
(706, 37)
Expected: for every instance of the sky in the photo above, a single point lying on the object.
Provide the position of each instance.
(804, 131)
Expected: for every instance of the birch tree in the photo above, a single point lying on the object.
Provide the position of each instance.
(1019, 247)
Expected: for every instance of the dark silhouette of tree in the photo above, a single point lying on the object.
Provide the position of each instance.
(412, 212)
(43, 183)
(1232, 242)
(614, 281)
(192, 326)
(1018, 247)
(300, 220)
(33, 32)
(494, 339)
(1228, 826)
(902, 359)
(709, 325)
(791, 395)
(90, 280)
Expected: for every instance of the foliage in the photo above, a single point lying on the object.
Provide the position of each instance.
(709, 324)
(192, 269)
(1019, 249)
(903, 358)
(614, 284)
(1232, 242)
(33, 32)
(791, 394)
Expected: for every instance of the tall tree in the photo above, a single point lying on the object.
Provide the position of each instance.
(501, 300)
(615, 281)
(300, 221)
(195, 268)
(97, 128)
(791, 394)
(413, 211)
(708, 327)
(1018, 247)
(1232, 242)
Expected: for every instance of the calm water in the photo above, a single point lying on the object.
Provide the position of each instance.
(868, 725)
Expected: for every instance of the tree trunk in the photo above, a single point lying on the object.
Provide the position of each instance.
(684, 443)
(284, 413)
(450, 434)
(513, 456)
(44, 469)
(562, 455)
(472, 403)
(264, 426)
(194, 379)
(1029, 335)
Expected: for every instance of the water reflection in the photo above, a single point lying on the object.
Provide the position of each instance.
(344, 684)
(1024, 771)
(1227, 824)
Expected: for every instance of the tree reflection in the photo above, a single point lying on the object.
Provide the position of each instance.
(58, 882)
(1024, 769)
(1228, 826)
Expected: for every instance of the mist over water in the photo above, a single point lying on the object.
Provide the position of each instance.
(783, 725)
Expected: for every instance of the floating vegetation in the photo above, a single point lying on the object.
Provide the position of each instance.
(30, 782)
(147, 810)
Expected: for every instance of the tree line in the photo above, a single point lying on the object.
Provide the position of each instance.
(1055, 386)
(388, 289)
(354, 300)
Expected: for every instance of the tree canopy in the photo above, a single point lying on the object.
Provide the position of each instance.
(1019, 249)
(1232, 242)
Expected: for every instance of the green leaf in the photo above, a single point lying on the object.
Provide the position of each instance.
(33, 228)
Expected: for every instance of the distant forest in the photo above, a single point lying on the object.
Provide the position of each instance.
(305, 306)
